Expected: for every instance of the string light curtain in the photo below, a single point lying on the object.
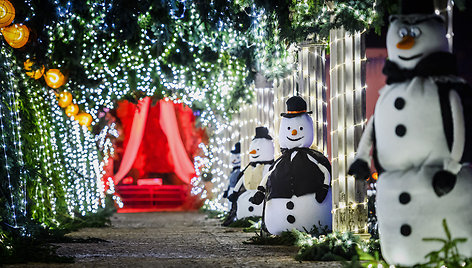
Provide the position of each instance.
(347, 75)
(265, 108)
(312, 87)
(283, 90)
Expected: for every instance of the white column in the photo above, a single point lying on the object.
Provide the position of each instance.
(347, 73)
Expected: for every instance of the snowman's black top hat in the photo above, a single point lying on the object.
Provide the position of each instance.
(262, 133)
(237, 148)
(423, 9)
(296, 106)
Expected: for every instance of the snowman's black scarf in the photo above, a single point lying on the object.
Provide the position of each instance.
(297, 177)
(436, 64)
(254, 164)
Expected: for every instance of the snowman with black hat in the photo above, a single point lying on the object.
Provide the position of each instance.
(261, 157)
(421, 138)
(235, 160)
(234, 176)
(297, 186)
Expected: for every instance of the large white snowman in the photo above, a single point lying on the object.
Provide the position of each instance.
(419, 133)
(297, 187)
(261, 157)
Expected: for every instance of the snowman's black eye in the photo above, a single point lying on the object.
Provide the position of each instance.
(403, 32)
(415, 31)
(258, 149)
(301, 128)
(288, 128)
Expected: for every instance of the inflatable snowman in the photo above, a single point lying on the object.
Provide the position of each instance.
(421, 141)
(297, 186)
(261, 157)
(235, 160)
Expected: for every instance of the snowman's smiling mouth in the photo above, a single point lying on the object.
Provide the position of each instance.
(255, 156)
(412, 57)
(295, 139)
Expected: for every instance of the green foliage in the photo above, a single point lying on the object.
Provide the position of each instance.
(332, 247)
(245, 222)
(212, 214)
(16, 249)
(319, 230)
(448, 255)
(287, 238)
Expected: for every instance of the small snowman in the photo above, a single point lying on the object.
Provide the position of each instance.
(234, 176)
(235, 160)
(261, 157)
(297, 186)
(421, 140)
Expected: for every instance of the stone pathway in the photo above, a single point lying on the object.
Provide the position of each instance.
(173, 239)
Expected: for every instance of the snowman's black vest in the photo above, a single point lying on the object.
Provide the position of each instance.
(437, 64)
(299, 176)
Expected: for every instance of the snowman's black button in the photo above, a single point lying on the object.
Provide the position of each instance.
(400, 130)
(290, 205)
(405, 230)
(399, 103)
(404, 198)
(290, 218)
(251, 208)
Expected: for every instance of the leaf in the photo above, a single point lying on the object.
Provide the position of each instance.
(446, 229)
(459, 240)
(431, 239)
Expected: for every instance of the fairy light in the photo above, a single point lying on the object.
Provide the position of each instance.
(7, 167)
(211, 85)
(347, 121)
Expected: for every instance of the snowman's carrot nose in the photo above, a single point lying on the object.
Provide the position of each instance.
(253, 152)
(406, 43)
(294, 132)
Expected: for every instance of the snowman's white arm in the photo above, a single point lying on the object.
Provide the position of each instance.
(365, 144)
(327, 176)
(238, 185)
(458, 143)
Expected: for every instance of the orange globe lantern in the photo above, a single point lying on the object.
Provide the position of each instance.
(7, 13)
(84, 119)
(72, 110)
(54, 78)
(65, 98)
(16, 35)
(36, 74)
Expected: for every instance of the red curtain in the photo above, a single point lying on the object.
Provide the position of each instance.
(169, 143)
(184, 168)
(134, 141)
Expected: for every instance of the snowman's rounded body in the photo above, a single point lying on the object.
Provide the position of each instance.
(301, 213)
(246, 208)
(288, 205)
(252, 177)
(408, 125)
(408, 210)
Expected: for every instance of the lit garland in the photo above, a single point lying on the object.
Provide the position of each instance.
(201, 54)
